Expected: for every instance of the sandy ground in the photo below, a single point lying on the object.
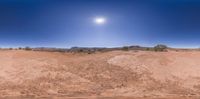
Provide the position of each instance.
(109, 75)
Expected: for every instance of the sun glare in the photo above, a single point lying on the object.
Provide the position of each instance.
(100, 20)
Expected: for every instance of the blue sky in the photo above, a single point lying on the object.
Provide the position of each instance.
(67, 23)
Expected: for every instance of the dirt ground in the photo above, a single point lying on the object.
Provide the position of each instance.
(108, 75)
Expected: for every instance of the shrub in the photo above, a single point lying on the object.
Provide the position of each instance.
(80, 50)
(160, 48)
(148, 49)
(28, 48)
(125, 48)
(91, 51)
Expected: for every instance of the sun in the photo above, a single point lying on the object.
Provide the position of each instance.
(100, 20)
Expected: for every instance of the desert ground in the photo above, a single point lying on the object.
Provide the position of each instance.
(102, 75)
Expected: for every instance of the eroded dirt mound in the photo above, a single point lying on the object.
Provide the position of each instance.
(110, 74)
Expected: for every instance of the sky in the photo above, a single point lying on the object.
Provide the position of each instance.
(68, 23)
